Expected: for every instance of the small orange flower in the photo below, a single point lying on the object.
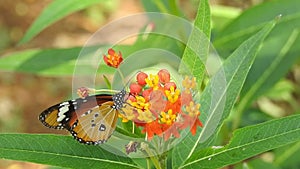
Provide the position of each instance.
(186, 97)
(191, 119)
(168, 85)
(175, 107)
(145, 116)
(152, 81)
(127, 114)
(152, 128)
(157, 102)
(193, 109)
(172, 94)
(140, 103)
(113, 59)
(83, 92)
(167, 118)
(171, 130)
(189, 83)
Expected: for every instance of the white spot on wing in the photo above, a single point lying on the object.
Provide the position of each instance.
(61, 113)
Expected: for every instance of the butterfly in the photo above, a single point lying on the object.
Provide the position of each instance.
(90, 120)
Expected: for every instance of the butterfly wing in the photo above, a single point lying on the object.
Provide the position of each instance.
(96, 125)
(64, 115)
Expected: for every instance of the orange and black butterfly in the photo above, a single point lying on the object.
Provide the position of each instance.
(91, 120)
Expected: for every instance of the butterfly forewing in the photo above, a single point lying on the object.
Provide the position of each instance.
(58, 116)
(96, 125)
(64, 115)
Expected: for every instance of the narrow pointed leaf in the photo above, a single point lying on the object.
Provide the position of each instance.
(62, 151)
(248, 23)
(271, 64)
(248, 142)
(48, 62)
(196, 51)
(53, 12)
(220, 95)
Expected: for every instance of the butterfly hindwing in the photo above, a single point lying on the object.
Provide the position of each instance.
(96, 125)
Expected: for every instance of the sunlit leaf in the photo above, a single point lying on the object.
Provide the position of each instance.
(60, 151)
(220, 95)
(248, 142)
(53, 12)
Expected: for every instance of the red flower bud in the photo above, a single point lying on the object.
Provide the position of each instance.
(141, 78)
(164, 76)
(83, 92)
(146, 93)
(132, 98)
(169, 84)
(135, 88)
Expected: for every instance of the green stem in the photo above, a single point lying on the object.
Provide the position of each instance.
(148, 163)
(163, 160)
(161, 6)
(174, 7)
(122, 76)
(153, 158)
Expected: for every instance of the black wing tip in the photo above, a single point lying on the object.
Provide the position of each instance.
(42, 117)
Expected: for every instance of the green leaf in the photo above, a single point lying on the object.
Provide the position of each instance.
(261, 163)
(288, 156)
(248, 142)
(220, 95)
(193, 60)
(53, 12)
(272, 63)
(51, 62)
(60, 151)
(164, 6)
(47, 62)
(197, 48)
(248, 23)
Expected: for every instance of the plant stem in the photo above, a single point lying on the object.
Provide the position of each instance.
(163, 160)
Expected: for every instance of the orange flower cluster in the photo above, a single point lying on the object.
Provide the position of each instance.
(160, 108)
(156, 104)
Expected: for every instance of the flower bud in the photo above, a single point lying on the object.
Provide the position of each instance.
(164, 76)
(135, 88)
(141, 78)
(169, 84)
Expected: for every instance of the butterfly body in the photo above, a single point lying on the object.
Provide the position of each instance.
(91, 120)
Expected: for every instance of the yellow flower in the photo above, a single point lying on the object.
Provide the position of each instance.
(140, 103)
(126, 114)
(189, 83)
(167, 118)
(172, 94)
(145, 116)
(152, 81)
(193, 109)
